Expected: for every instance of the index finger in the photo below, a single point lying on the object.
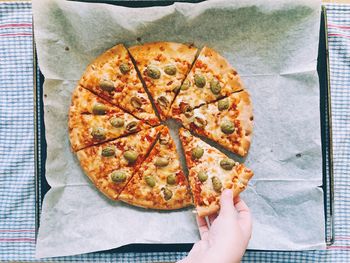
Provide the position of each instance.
(202, 227)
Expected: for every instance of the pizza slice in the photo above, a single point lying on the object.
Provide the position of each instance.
(163, 67)
(113, 77)
(228, 122)
(93, 120)
(211, 171)
(210, 78)
(160, 182)
(111, 165)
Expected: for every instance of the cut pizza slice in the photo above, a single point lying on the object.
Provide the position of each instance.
(113, 77)
(210, 172)
(228, 121)
(210, 78)
(163, 67)
(92, 120)
(160, 182)
(111, 165)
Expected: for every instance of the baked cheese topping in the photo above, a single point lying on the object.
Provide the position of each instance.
(160, 182)
(113, 76)
(163, 67)
(227, 122)
(210, 78)
(110, 165)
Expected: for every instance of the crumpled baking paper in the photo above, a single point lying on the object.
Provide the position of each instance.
(272, 44)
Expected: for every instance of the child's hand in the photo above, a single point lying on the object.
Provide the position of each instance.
(228, 236)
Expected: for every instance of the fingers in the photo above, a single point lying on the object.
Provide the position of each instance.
(244, 217)
(226, 202)
(202, 227)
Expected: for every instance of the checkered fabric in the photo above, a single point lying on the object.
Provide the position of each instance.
(17, 187)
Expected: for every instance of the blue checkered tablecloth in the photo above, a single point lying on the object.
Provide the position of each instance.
(17, 186)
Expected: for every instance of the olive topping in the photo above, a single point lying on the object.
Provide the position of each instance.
(227, 127)
(136, 102)
(164, 139)
(150, 181)
(161, 162)
(132, 126)
(153, 72)
(202, 176)
(227, 164)
(199, 80)
(162, 101)
(223, 104)
(118, 176)
(168, 194)
(217, 185)
(116, 122)
(130, 156)
(124, 68)
(185, 85)
(108, 151)
(171, 179)
(170, 70)
(99, 109)
(215, 86)
(98, 133)
(176, 89)
(197, 152)
(106, 85)
(199, 122)
(188, 111)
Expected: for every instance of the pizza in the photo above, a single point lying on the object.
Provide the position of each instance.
(228, 122)
(160, 182)
(116, 126)
(113, 77)
(210, 172)
(93, 120)
(110, 165)
(211, 78)
(163, 67)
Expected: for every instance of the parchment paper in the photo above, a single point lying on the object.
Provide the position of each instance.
(274, 48)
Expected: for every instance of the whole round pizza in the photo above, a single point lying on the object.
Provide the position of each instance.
(117, 125)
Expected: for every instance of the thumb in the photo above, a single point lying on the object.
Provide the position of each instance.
(226, 202)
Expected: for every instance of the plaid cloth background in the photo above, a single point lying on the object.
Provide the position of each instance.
(17, 187)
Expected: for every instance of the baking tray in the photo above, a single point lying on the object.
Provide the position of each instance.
(326, 136)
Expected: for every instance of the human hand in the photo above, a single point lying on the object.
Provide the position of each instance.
(228, 236)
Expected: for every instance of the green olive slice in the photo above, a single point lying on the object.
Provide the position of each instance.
(132, 126)
(150, 181)
(98, 133)
(124, 68)
(197, 152)
(227, 127)
(161, 162)
(116, 122)
(130, 156)
(99, 109)
(223, 104)
(118, 176)
(168, 194)
(107, 85)
(170, 69)
(153, 72)
(227, 164)
(109, 151)
(215, 86)
(202, 176)
(217, 185)
(171, 179)
(199, 80)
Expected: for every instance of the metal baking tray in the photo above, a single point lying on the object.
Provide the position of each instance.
(326, 134)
